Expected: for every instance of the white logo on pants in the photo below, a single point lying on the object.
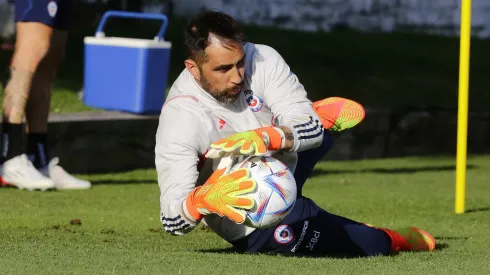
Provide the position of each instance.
(301, 237)
(52, 8)
(314, 240)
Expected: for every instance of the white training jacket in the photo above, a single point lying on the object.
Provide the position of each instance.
(191, 120)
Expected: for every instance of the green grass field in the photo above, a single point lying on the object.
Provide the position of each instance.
(120, 231)
(397, 70)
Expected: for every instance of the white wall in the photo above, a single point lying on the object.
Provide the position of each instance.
(430, 16)
(7, 26)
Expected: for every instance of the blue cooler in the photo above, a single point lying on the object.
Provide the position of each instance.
(126, 74)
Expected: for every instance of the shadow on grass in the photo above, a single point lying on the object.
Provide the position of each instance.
(441, 246)
(231, 250)
(475, 210)
(404, 170)
(96, 182)
(451, 238)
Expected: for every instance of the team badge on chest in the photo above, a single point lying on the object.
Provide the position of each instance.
(255, 103)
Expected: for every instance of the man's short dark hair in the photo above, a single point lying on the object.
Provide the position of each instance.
(196, 34)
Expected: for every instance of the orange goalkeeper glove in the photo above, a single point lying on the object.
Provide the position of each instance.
(254, 142)
(223, 194)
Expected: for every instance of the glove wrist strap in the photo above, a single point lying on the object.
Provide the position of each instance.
(190, 209)
(275, 136)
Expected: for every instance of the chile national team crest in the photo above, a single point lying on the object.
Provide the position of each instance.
(283, 234)
(254, 102)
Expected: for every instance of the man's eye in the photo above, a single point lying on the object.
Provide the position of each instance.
(223, 69)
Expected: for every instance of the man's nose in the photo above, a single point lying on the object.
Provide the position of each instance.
(237, 76)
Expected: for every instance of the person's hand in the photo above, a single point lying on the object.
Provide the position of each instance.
(251, 143)
(224, 194)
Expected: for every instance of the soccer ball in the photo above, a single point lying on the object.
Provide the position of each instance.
(275, 194)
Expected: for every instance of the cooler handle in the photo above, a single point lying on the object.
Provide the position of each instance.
(138, 15)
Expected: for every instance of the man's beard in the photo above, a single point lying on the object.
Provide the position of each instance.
(226, 96)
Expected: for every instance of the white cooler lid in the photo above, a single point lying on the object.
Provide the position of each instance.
(126, 42)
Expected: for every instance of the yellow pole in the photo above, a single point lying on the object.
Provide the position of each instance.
(464, 61)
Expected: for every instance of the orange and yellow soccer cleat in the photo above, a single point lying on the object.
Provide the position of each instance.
(410, 239)
(338, 114)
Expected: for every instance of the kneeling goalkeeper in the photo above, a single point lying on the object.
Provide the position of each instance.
(236, 97)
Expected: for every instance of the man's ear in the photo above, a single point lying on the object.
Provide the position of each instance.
(193, 68)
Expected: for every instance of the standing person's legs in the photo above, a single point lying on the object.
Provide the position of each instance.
(38, 105)
(32, 44)
(39, 102)
(55, 15)
(26, 92)
(33, 38)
